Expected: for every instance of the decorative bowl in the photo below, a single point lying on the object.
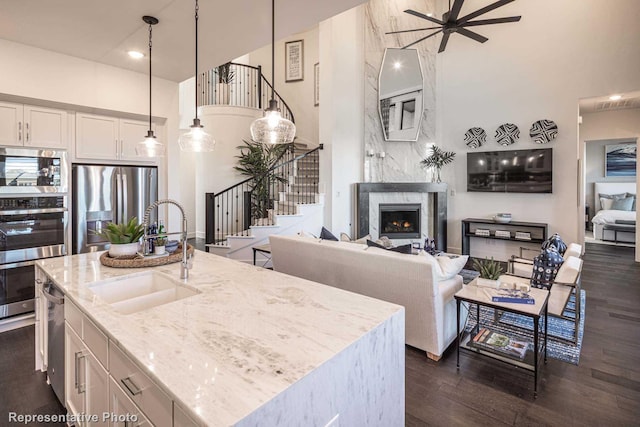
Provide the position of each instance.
(125, 249)
(502, 218)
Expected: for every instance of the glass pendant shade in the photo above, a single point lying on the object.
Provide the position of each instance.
(150, 147)
(196, 140)
(272, 128)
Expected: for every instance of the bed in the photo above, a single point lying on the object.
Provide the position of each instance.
(604, 217)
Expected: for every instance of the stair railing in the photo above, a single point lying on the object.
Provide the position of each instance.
(256, 200)
(248, 88)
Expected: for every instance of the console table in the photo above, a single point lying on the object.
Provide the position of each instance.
(537, 230)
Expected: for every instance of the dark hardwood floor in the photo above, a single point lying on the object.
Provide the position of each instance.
(604, 390)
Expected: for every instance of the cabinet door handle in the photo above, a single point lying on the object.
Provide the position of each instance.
(19, 131)
(76, 370)
(130, 386)
(121, 148)
(26, 128)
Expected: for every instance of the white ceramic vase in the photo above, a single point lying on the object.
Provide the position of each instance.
(116, 250)
(158, 250)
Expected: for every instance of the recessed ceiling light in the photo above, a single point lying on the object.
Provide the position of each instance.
(135, 54)
(615, 97)
(429, 15)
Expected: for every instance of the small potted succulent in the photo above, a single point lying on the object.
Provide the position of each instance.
(124, 238)
(490, 270)
(159, 247)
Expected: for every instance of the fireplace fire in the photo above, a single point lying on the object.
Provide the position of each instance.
(399, 221)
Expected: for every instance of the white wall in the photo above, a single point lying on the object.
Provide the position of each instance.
(44, 75)
(341, 115)
(598, 130)
(298, 95)
(535, 69)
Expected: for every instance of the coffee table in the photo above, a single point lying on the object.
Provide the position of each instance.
(482, 296)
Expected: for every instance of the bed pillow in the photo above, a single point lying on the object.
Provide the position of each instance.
(445, 267)
(606, 200)
(633, 207)
(623, 204)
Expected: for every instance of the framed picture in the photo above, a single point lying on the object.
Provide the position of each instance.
(294, 61)
(620, 159)
(316, 84)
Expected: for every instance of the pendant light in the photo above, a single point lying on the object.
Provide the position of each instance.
(150, 147)
(272, 128)
(196, 140)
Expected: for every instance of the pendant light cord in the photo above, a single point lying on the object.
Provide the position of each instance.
(150, 33)
(273, 49)
(196, 74)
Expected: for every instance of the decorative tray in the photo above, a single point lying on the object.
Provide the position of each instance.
(137, 261)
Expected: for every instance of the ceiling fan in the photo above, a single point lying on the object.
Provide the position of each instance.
(450, 23)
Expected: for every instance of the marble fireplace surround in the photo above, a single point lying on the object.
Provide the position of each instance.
(433, 197)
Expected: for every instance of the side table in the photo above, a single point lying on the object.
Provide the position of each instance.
(482, 297)
(264, 250)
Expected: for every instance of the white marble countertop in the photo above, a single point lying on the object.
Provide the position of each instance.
(244, 339)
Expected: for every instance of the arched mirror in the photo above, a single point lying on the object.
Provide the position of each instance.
(400, 94)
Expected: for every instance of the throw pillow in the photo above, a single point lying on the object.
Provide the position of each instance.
(303, 233)
(385, 241)
(344, 237)
(404, 249)
(545, 268)
(445, 267)
(556, 242)
(607, 205)
(327, 235)
(623, 204)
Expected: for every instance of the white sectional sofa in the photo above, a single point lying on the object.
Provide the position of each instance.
(407, 280)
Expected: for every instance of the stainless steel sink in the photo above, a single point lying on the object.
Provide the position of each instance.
(134, 293)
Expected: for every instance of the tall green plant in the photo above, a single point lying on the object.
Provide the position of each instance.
(225, 73)
(437, 159)
(488, 268)
(257, 161)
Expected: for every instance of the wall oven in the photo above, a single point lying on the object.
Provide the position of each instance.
(31, 228)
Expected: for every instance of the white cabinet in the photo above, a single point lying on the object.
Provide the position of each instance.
(108, 138)
(86, 380)
(41, 346)
(31, 126)
(123, 411)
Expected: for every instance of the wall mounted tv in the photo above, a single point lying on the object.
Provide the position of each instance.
(512, 171)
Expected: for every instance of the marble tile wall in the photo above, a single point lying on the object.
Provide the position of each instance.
(374, 215)
(401, 160)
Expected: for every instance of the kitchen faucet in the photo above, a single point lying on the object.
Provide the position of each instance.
(186, 260)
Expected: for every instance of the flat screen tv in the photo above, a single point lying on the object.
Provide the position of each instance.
(512, 171)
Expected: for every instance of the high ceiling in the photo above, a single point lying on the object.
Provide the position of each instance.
(104, 30)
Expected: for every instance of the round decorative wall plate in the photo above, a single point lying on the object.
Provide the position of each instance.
(543, 131)
(475, 137)
(507, 134)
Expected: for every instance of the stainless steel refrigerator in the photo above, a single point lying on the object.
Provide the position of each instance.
(108, 193)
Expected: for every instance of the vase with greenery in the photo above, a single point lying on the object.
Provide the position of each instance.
(258, 161)
(437, 159)
(124, 238)
(226, 76)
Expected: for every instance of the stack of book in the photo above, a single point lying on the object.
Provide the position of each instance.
(487, 339)
(482, 232)
(516, 296)
(503, 233)
(522, 235)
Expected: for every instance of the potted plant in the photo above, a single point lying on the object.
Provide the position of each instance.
(490, 270)
(437, 159)
(160, 244)
(225, 77)
(124, 238)
(258, 160)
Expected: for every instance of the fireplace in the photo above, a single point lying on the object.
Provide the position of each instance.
(399, 221)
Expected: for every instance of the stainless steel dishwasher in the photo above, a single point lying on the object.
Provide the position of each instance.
(55, 341)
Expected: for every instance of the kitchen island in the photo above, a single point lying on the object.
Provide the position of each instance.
(251, 347)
